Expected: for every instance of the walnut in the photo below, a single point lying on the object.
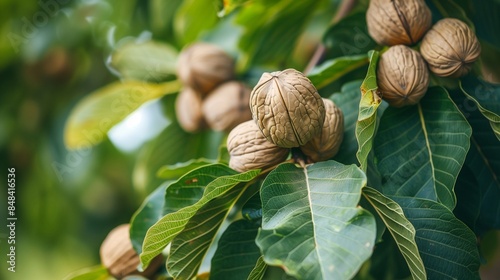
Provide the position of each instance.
(120, 258)
(450, 48)
(204, 66)
(188, 110)
(327, 143)
(227, 106)
(394, 22)
(287, 108)
(402, 76)
(248, 149)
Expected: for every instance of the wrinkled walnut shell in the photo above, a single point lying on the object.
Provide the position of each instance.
(188, 110)
(249, 149)
(204, 66)
(402, 76)
(327, 143)
(287, 108)
(450, 48)
(227, 106)
(394, 22)
(120, 258)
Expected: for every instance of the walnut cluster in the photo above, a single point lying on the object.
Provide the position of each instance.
(210, 98)
(287, 112)
(447, 49)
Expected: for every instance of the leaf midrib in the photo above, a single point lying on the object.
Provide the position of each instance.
(427, 145)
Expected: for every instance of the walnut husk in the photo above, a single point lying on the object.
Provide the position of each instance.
(402, 76)
(204, 66)
(450, 48)
(394, 22)
(249, 149)
(326, 144)
(227, 106)
(287, 108)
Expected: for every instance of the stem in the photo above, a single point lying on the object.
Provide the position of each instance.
(344, 8)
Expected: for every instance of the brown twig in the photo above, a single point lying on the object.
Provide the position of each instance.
(344, 8)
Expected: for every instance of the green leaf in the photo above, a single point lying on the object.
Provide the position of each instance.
(400, 228)
(367, 118)
(487, 19)
(190, 246)
(98, 272)
(193, 18)
(331, 70)
(259, 270)
(272, 29)
(447, 246)
(448, 8)
(349, 36)
(149, 213)
(162, 232)
(95, 114)
(478, 187)
(311, 224)
(177, 170)
(145, 61)
(231, 5)
(486, 97)
(161, 15)
(237, 254)
(420, 149)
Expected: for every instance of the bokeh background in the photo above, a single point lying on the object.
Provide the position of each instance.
(53, 53)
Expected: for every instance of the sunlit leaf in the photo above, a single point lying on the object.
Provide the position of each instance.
(146, 61)
(258, 270)
(91, 273)
(400, 228)
(367, 118)
(194, 17)
(331, 70)
(237, 254)
(162, 232)
(420, 149)
(95, 114)
(177, 170)
(312, 225)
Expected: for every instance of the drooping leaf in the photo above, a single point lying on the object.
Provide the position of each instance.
(478, 186)
(311, 224)
(149, 213)
(349, 36)
(194, 17)
(162, 232)
(400, 228)
(237, 254)
(447, 246)
(486, 96)
(367, 118)
(95, 114)
(91, 273)
(269, 34)
(420, 149)
(145, 61)
(333, 69)
(175, 171)
(259, 270)
(190, 247)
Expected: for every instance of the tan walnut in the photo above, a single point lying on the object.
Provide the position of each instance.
(287, 108)
(227, 106)
(204, 66)
(249, 149)
(120, 258)
(327, 143)
(450, 48)
(402, 76)
(188, 110)
(394, 22)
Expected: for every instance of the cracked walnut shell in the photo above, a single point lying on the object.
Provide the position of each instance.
(450, 48)
(394, 22)
(402, 76)
(287, 108)
(248, 149)
(327, 143)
